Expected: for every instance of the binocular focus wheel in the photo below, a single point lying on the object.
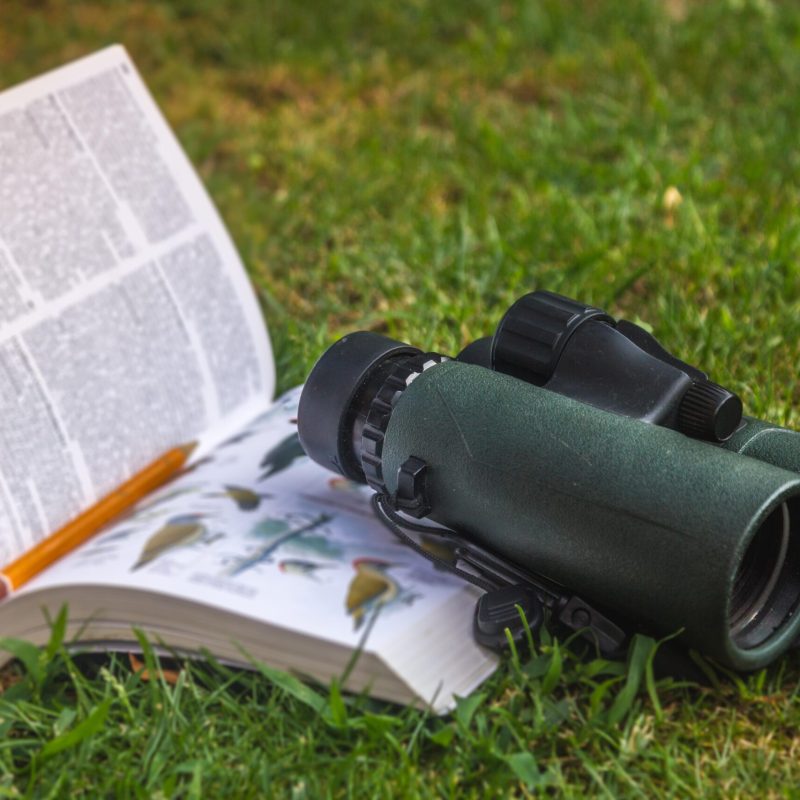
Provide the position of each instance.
(380, 412)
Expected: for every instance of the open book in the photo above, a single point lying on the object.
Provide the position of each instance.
(128, 326)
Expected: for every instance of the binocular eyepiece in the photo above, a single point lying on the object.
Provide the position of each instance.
(587, 454)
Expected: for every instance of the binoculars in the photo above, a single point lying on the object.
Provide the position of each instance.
(578, 466)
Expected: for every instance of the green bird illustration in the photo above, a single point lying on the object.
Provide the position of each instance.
(281, 456)
(179, 531)
(299, 566)
(246, 499)
(286, 534)
(370, 588)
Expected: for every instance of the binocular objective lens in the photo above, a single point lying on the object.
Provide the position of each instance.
(766, 589)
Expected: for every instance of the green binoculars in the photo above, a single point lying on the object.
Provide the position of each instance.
(572, 453)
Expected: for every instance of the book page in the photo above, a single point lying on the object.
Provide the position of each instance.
(259, 529)
(127, 322)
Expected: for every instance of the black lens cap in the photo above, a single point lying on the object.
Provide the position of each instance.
(331, 394)
(499, 610)
(478, 352)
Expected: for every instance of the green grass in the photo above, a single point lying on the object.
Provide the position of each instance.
(412, 168)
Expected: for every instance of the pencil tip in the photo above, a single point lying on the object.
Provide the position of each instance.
(188, 448)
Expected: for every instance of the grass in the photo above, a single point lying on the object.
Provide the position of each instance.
(412, 168)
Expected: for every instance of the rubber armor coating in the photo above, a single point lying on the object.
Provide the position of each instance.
(767, 442)
(634, 516)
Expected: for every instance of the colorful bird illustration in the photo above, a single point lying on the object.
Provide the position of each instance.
(179, 531)
(281, 456)
(298, 566)
(441, 548)
(370, 588)
(246, 499)
(340, 484)
(264, 554)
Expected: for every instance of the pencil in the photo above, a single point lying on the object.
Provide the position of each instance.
(88, 523)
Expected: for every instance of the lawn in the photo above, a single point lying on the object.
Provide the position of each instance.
(411, 168)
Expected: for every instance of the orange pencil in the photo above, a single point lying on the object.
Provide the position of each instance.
(93, 519)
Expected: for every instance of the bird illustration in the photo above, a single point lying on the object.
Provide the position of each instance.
(298, 566)
(237, 438)
(114, 537)
(370, 588)
(94, 552)
(340, 484)
(104, 545)
(194, 465)
(441, 548)
(264, 554)
(179, 531)
(281, 456)
(245, 499)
